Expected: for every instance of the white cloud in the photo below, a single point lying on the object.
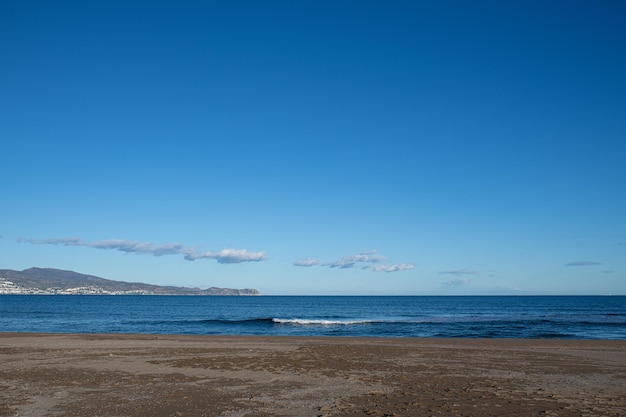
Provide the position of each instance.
(224, 256)
(227, 256)
(306, 262)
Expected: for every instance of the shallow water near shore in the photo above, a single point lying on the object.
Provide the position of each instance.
(559, 317)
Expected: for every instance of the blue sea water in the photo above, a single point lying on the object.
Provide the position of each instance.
(568, 317)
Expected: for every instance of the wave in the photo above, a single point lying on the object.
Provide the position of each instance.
(321, 322)
(436, 320)
(437, 326)
(229, 322)
(265, 321)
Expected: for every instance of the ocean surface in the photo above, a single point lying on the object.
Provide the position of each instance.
(567, 317)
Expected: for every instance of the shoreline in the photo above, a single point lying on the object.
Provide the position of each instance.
(65, 374)
(455, 339)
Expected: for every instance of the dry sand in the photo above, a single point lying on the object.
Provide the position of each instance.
(164, 375)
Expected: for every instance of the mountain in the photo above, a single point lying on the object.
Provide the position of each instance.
(57, 281)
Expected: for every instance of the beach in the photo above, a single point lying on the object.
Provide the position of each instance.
(180, 375)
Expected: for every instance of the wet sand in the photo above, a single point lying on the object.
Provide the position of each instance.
(168, 375)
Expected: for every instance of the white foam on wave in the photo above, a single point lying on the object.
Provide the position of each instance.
(319, 322)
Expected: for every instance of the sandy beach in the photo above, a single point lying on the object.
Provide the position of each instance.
(168, 375)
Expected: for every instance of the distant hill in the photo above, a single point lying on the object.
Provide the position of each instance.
(57, 281)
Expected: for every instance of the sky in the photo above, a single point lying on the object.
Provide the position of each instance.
(317, 147)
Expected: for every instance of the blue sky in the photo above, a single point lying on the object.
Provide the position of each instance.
(318, 147)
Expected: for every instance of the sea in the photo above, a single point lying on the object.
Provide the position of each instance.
(550, 317)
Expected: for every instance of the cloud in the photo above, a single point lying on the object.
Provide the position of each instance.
(306, 262)
(510, 290)
(67, 241)
(351, 261)
(391, 268)
(459, 282)
(224, 256)
(359, 260)
(582, 263)
(458, 272)
(607, 272)
(227, 256)
(137, 247)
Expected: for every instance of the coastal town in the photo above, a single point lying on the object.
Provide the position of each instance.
(8, 287)
(48, 281)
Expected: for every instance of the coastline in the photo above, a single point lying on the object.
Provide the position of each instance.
(190, 375)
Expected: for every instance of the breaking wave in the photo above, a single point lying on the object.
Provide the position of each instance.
(321, 322)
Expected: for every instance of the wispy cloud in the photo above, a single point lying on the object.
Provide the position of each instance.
(135, 247)
(391, 268)
(351, 261)
(360, 260)
(224, 256)
(582, 263)
(458, 282)
(306, 262)
(458, 272)
(67, 241)
(510, 290)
